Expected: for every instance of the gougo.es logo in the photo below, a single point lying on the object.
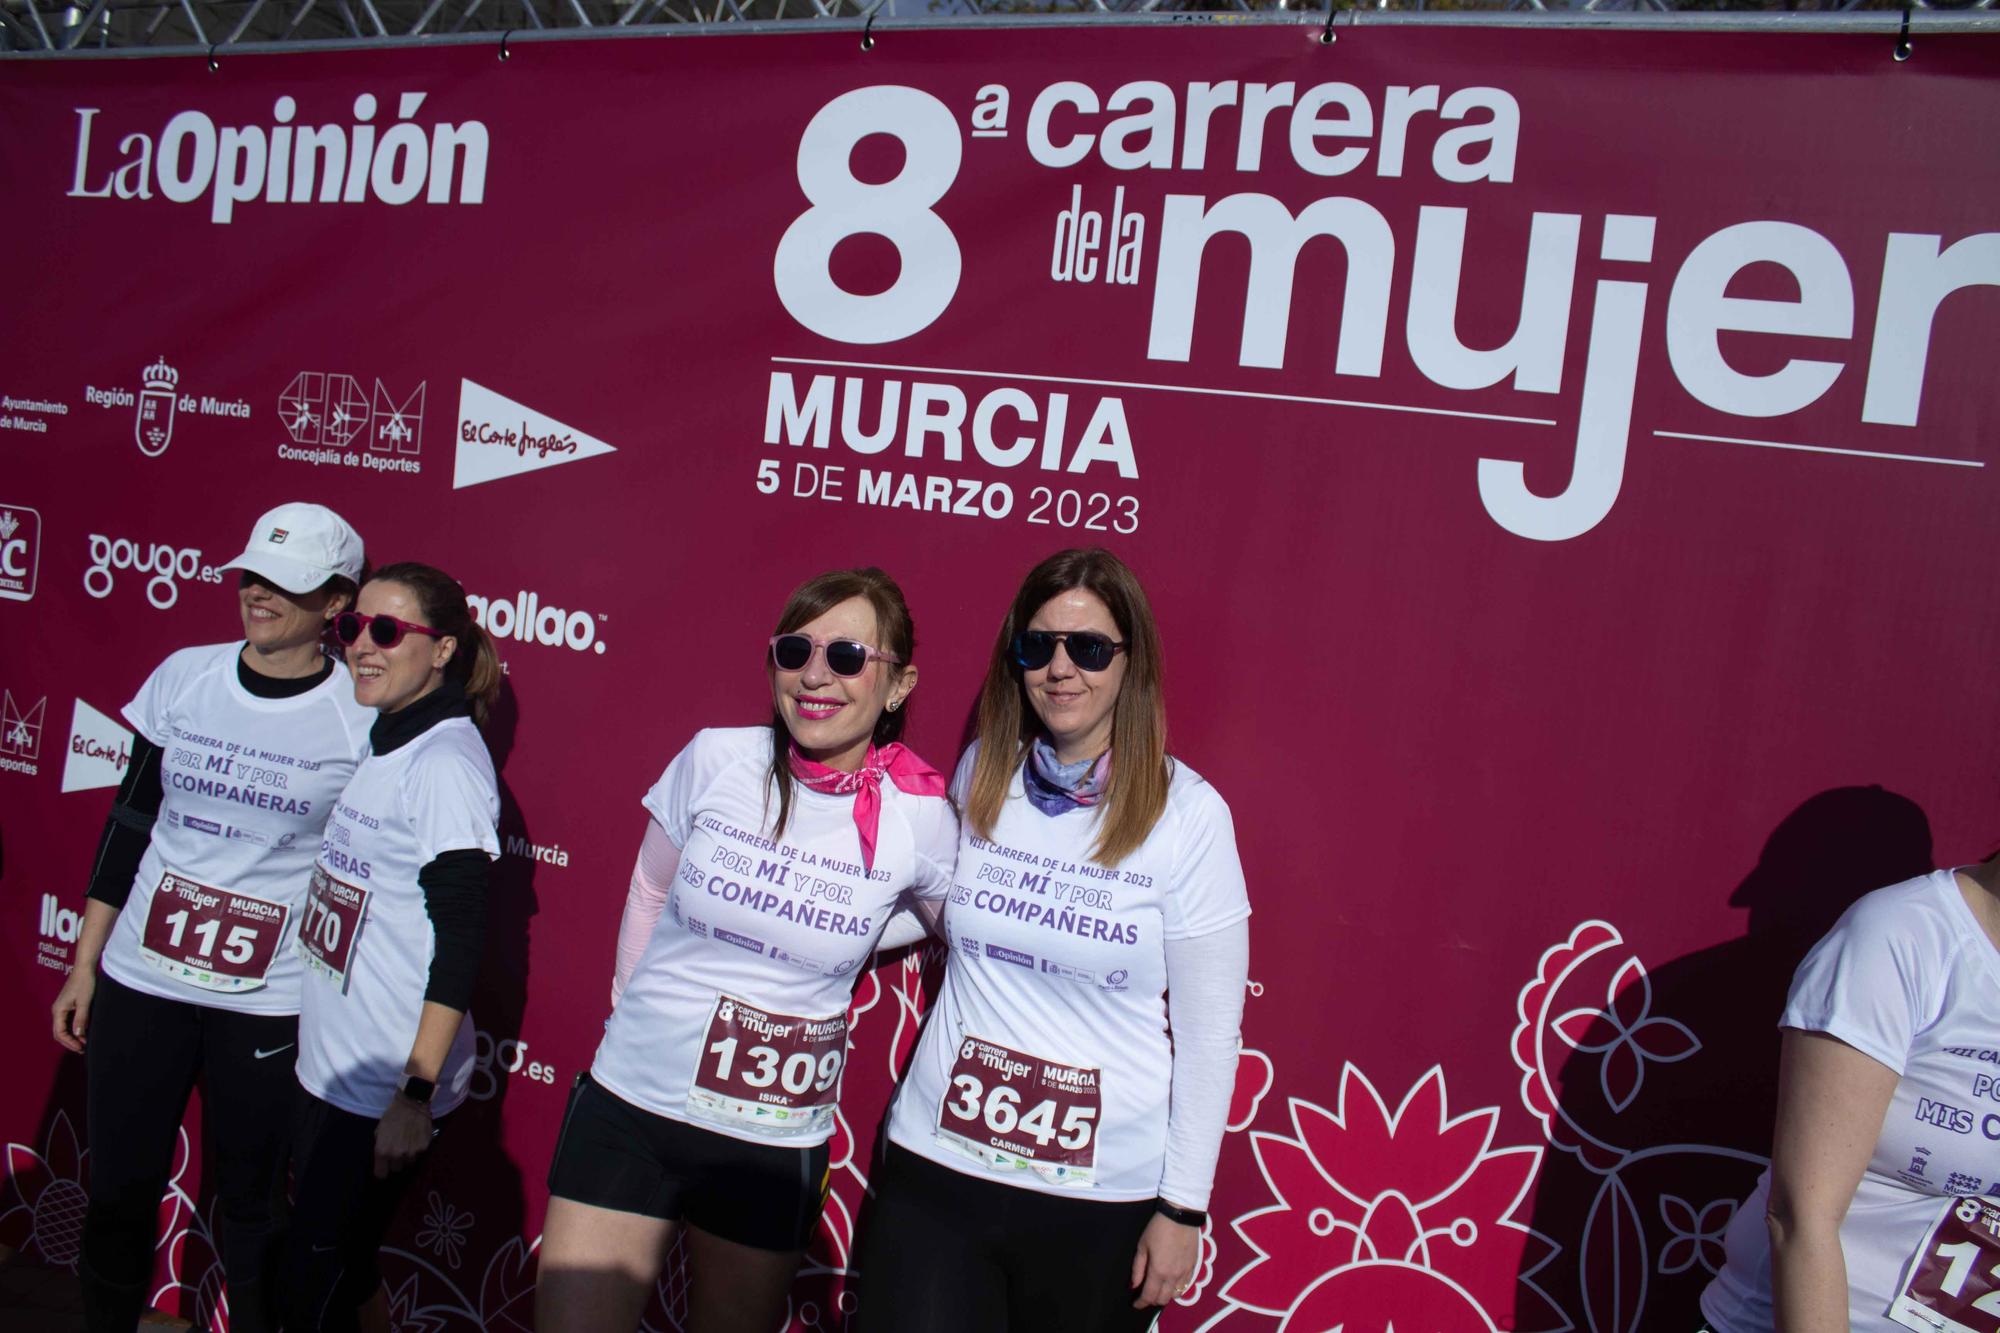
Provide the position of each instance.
(168, 566)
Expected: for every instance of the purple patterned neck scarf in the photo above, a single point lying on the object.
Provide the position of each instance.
(1055, 787)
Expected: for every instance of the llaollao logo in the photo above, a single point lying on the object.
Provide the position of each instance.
(525, 619)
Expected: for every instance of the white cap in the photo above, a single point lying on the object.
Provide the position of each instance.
(301, 546)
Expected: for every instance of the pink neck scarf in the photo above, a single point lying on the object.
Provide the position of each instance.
(894, 760)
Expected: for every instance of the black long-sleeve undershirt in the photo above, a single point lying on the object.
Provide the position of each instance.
(454, 884)
(129, 825)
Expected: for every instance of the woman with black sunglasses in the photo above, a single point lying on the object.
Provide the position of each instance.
(240, 749)
(1052, 1146)
(773, 857)
(392, 929)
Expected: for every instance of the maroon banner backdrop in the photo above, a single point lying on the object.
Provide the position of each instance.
(1562, 462)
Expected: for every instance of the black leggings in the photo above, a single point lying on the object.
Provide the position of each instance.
(946, 1250)
(143, 1056)
(342, 1212)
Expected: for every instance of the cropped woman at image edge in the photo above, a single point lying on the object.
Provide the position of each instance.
(201, 873)
(1886, 1082)
(394, 926)
(1052, 1147)
(772, 858)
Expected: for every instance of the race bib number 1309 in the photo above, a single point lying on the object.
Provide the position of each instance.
(773, 1074)
(1952, 1282)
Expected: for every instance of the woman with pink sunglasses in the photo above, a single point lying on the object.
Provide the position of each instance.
(391, 936)
(773, 858)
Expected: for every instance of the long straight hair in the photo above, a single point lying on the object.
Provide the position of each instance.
(475, 666)
(895, 632)
(1136, 795)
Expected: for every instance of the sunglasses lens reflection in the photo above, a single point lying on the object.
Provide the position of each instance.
(844, 657)
(1092, 652)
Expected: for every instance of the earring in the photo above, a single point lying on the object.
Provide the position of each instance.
(894, 704)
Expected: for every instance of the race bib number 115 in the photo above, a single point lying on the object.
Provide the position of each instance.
(1952, 1282)
(213, 938)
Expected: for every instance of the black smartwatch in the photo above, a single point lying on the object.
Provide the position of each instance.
(1187, 1217)
(418, 1090)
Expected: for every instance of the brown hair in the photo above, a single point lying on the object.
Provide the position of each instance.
(895, 633)
(475, 666)
(1136, 794)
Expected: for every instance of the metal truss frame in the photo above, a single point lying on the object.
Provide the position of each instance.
(57, 28)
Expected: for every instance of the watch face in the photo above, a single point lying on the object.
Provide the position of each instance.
(419, 1090)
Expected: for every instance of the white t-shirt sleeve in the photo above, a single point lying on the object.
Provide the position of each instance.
(1865, 981)
(673, 800)
(453, 806)
(148, 712)
(1207, 892)
(934, 829)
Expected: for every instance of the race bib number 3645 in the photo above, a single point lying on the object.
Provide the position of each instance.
(1011, 1110)
(211, 938)
(334, 909)
(769, 1073)
(1952, 1282)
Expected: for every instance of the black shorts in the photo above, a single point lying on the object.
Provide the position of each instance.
(612, 1154)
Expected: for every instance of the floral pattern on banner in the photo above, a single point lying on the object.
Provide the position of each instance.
(1591, 1000)
(1387, 1211)
(46, 1196)
(1381, 1215)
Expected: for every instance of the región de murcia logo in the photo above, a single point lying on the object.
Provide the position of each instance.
(159, 404)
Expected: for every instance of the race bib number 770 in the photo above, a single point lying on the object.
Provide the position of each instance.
(1952, 1282)
(334, 909)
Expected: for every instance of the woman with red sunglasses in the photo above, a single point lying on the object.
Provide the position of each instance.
(391, 934)
(1052, 1145)
(773, 857)
(239, 751)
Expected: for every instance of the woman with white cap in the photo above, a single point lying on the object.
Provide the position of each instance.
(241, 748)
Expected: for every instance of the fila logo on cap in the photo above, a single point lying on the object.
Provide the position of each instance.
(277, 537)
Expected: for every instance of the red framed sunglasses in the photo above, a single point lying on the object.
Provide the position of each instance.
(385, 630)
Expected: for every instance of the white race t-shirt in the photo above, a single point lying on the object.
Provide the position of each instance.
(246, 785)
(365, 935)
(1046, 1062)
(735, 1018)
(1907, 977)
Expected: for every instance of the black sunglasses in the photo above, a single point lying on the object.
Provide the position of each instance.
(1036, 648)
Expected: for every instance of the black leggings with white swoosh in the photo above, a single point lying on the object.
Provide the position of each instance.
(144, 1055)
